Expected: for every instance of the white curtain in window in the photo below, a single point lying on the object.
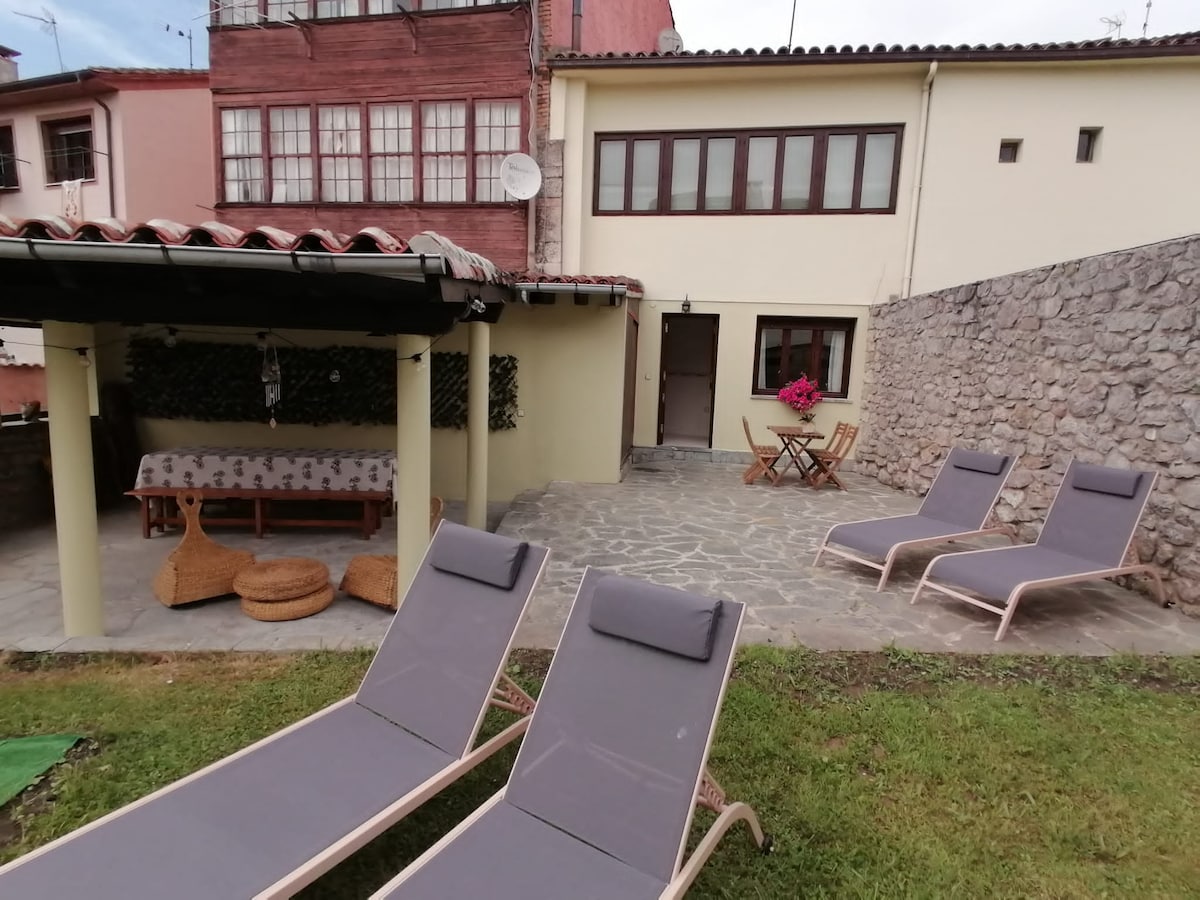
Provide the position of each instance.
(797, 171)
(835, 346)
(760, 173)
(841, 152)
(685, 173)
(281, 10)
(612, 175)
(645, 174)
(877, 171)
(237, 12)
(718, 180)
(335, 9)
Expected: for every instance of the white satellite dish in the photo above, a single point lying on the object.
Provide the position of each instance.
(669, 41)
(521, 175)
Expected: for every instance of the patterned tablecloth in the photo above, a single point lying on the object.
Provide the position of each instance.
(268, 469)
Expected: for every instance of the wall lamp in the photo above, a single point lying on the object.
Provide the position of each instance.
(687, 304)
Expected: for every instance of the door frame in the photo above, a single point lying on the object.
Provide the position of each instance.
(667, 318)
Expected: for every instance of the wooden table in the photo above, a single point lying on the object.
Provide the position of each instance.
(795, 439)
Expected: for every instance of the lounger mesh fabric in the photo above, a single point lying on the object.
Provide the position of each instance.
(1085, 531)
(604, 784)
(959, 500)
(238, 829)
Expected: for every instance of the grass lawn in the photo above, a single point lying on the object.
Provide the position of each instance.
(880, 775)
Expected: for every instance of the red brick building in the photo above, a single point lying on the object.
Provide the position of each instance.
(341, 114)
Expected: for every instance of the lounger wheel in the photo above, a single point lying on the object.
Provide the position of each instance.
(768, 844)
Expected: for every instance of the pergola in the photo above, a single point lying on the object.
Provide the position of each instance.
(69, 276)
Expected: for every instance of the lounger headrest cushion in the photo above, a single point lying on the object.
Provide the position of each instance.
(661, 617)
(478, 555)
(988, 463)
(1103, 480)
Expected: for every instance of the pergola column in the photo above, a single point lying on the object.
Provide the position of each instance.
(69, 406)
(412, 487)
(478, 373)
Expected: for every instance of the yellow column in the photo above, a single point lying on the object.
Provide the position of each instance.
(68, 402)
(412, 487)
(478, 371)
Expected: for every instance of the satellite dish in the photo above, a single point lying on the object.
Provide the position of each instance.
(521, 175)
(669, 41)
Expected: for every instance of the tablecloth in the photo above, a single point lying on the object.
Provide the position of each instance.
(268, 469)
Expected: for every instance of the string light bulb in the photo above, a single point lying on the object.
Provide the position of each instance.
(172, 337)
(83, 356)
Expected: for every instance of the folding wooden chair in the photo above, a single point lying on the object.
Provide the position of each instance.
(765, 457)
(827, 460)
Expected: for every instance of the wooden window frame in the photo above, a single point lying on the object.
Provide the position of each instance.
(49, 127)
(259, 9)
(742, 138)
(365, 128)
(10, 179)
(817, 326)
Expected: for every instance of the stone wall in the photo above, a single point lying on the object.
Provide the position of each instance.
(1097, 359)
(24, 484)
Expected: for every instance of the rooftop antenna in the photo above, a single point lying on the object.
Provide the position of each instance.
(792, 27)
(188, 35)
(49, 26)
(1146, 22)
(1114, 23)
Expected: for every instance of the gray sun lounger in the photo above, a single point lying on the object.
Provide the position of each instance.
(957, 506)
(273, 817)
(1088, 535)
(601, 797)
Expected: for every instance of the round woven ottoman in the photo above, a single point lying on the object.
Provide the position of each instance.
(372, 578)
(287, 578)
(283, 610)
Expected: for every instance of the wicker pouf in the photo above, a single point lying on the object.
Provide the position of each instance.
(276, 580)
(371, 578)
(282, 610)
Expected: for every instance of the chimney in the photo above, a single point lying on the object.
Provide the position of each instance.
(8, 64)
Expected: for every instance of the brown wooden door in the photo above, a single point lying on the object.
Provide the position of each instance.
(687, 380)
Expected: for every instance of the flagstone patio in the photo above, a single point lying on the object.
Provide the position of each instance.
(685, 524)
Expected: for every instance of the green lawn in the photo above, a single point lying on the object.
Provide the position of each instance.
(880, 775)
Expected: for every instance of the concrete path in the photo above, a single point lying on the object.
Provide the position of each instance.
(686, 524)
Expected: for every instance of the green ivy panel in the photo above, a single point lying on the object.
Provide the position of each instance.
(213, 382)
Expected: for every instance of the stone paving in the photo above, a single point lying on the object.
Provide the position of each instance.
(685, 524)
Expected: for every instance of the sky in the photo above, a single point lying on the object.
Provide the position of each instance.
(135, 33)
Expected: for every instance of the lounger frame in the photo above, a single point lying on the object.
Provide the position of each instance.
(506, 695)
(1132, 566)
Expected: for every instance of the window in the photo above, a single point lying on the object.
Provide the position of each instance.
(8, 159)
(340, 138)
(457, 4)
(1009, 150)
(785, 349)
(497, 134)
(237, 12)
(432, 152)
(444, 152)
(291, 155)
(391, 149)
(248, 12)
(68, 146)
(1085, 150)
(802, 170)
(283, 10)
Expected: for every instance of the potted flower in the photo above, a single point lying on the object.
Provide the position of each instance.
(801, 395)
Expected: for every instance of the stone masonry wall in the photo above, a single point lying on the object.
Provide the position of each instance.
(1097, 359)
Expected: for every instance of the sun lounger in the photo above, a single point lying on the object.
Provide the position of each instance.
(273, 817)
(957, 507)
(1088, 535)
(602, 794)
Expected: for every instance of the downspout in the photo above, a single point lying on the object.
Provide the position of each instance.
(910, 249)
(577, 25)
(108, 139)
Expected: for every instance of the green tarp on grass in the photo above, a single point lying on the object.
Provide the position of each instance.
(24, 760)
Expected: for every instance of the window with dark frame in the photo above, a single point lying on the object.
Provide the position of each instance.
(1009, 150)
(761, 171)
(8, 159)
(786, 348)
(1085, 149)
(249, 12)
(431, 152)
(68, 150)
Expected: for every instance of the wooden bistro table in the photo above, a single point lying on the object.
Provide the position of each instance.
(261, 475)
(795, 439)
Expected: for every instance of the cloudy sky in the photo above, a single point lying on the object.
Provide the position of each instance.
(135, 32)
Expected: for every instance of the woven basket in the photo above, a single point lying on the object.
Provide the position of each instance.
(282, 610)
(287, 578)
(199, 568)
(371, 578)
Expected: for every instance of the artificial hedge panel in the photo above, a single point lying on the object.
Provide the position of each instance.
(212, 382)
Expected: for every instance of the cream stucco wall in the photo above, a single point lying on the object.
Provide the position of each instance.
(569, 380)
(980, 218)
(37, 198)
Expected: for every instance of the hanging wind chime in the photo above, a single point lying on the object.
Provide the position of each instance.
(271, 379)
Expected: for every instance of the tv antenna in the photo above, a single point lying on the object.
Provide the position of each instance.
(1114, 23)
(792, 27)
(1146, 21)
(50, 27)
(180, 33)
